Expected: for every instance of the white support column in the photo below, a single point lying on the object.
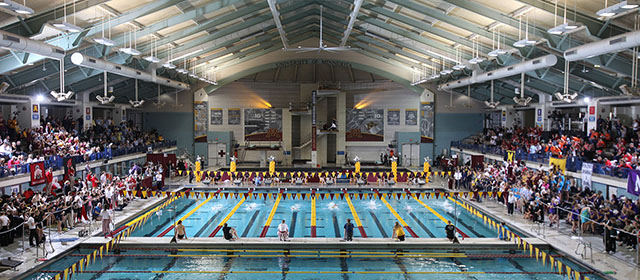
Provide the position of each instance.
(507, 116)
(87, 111)
(594, 111)
(341, 118)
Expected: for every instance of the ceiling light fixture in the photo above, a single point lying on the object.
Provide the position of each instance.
(67, 26)
(154, 51)
(131, 49)
(168, 64)
(616, 9)
(521, 43)
(104, 40)
(17, 8)
(565, 26)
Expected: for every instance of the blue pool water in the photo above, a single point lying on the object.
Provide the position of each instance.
(331, 214)
(194, 265)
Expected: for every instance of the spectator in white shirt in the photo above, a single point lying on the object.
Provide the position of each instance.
(31, 223)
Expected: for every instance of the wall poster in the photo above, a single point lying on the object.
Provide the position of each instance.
(216, 116)
(426, 122)
(263, 124)
(365, 125)
(233, 116)
(201, 119)
(411, 117)
(393, 117)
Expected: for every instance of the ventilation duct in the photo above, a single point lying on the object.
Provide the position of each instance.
(99, 64)
(515, 69)
(18, 43)
(612, 44)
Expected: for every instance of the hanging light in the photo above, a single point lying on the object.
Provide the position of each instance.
(17, 8)
(154, 49)
(67, 26)
(565, 26)
(616, 9)
(168, 64)
(104, 40)
(131, 49)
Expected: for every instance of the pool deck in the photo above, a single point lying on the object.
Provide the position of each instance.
(313, 243)
(561, 238)
(66, 240)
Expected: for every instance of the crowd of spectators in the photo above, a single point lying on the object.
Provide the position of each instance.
(64, 137)
(548, 196)
(74, 202)
(611, 143)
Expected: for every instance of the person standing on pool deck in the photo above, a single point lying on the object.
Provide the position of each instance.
(283, 231)
(398, 232)
(180, 231)
(348, 230)
(450, 229)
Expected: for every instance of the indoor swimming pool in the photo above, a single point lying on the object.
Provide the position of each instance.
(228, 264)
(258, 216)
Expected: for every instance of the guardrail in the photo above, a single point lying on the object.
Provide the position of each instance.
(574, 164)
(56, 162)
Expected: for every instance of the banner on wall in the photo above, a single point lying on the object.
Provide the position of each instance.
(233, 116)
(201, 120)
(393, 117)
(633, 182)
(587, 171)
(216, 116)
(558, 163)
(37, 173)
(69, 168)
(411, 117)
(263, 124)
(365, 125)
(426, 122)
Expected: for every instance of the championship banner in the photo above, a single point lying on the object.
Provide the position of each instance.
(559, 163)
(365, 125)
(587, 170)
(263, 124)
(427, 122)
(69, 168)
(37, 173)
(633, 182)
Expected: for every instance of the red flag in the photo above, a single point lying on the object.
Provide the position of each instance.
(206, 195)
(331, 195)
(360, 195)
(341, 196)
(226, 195)
(322, 196)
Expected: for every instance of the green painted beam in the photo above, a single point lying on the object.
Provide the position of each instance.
(439, 15)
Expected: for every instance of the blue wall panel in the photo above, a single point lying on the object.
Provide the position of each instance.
(172, 126)
(454, 127)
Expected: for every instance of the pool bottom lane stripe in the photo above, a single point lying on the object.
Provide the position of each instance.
(313, 216)
(355, 214)
(219, 227)
(464, 235)
(188, 214)
(265, 229)
(404, 224)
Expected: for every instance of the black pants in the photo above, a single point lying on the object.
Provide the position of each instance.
(349, 236)
(510, 208)
(610, 244)
(33, 235)
(4, 237)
